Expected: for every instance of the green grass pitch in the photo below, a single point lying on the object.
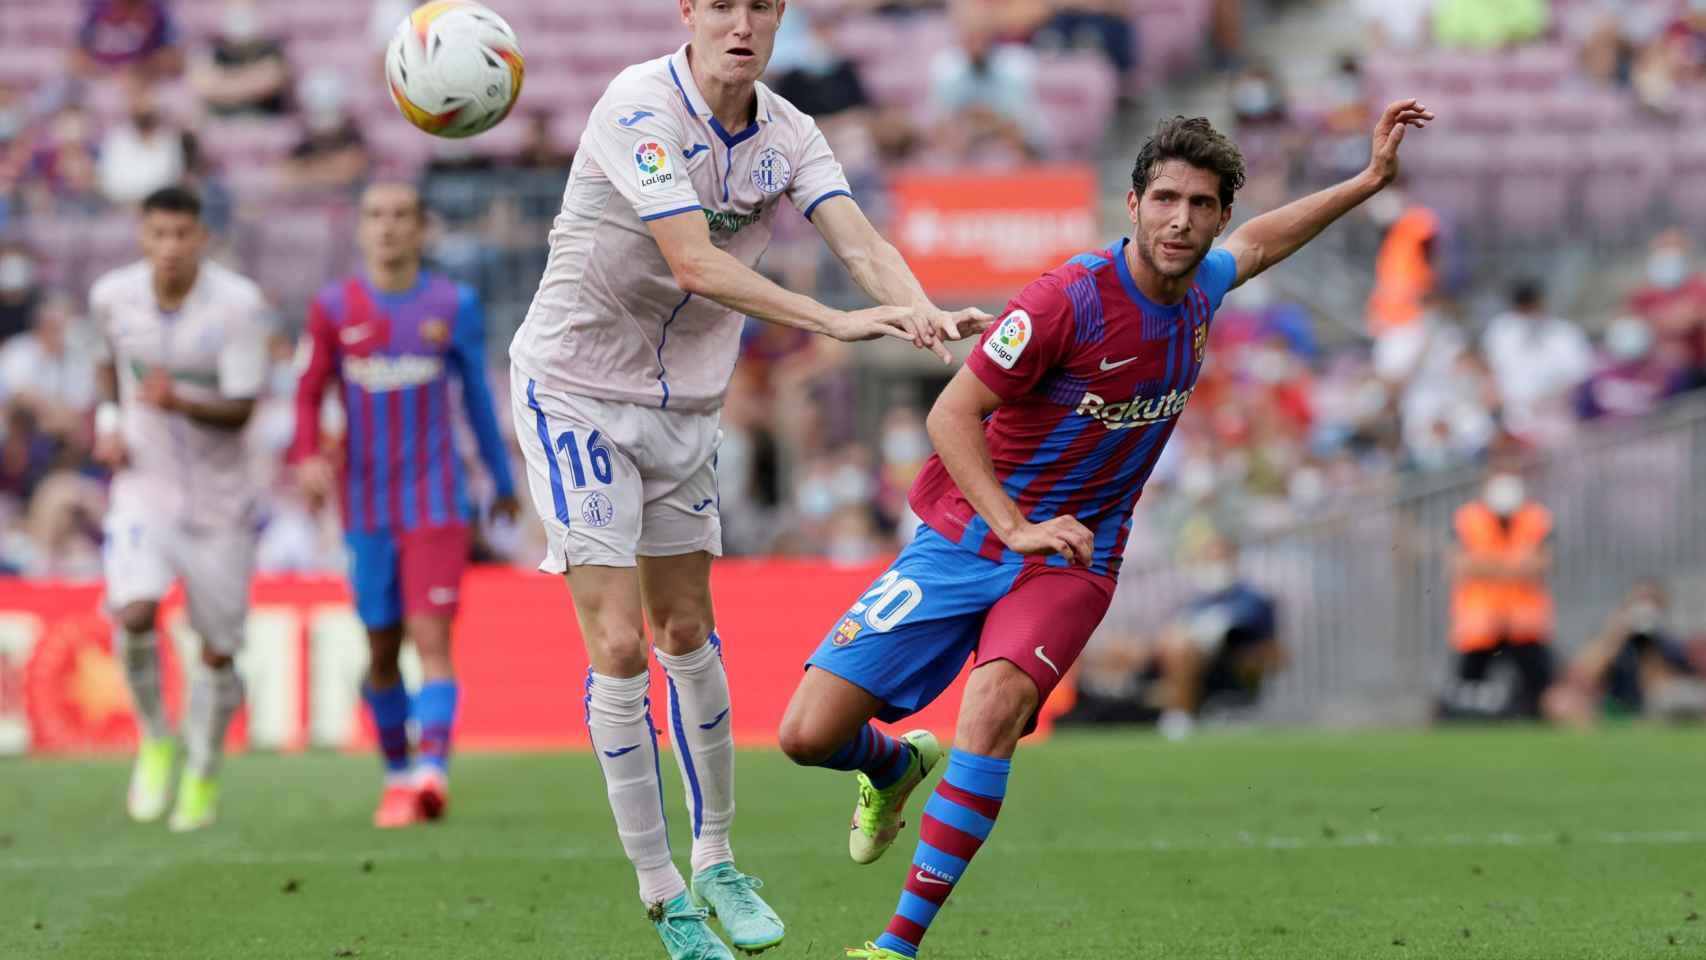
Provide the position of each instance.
(1500, 844)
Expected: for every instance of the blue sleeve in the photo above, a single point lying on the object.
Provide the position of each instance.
(468, 359)
(1215, 275)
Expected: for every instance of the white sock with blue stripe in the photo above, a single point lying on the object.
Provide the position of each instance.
(704, 748)
(618, 715)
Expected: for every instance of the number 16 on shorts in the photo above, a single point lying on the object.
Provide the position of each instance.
(596, 508)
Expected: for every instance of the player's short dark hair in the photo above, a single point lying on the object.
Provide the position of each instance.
(1526, 293)
(1195, 141)
(174, 199)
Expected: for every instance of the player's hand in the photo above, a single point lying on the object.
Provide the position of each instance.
(507, 509)
(109, 451)
(156, 389)
(874, 322)
(1389, 133)
(1064, 536)
(316, 477)
(948, 325)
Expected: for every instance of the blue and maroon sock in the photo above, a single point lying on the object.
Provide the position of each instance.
(957, 820)
(390, 710)
(874, 753)
(435, 711)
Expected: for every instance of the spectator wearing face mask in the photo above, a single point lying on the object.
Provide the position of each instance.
(133, 35)
(1637, 373)
(44, 371)
(1538, 361)
(142, 154)
(1673, 301)
(243, 71)
(1633, 667)
(1501, 605)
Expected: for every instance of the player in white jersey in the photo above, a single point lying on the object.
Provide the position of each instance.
(187, 342)
(618, 375)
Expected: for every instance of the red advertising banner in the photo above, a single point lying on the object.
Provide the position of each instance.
(518, 654)
(988, 233)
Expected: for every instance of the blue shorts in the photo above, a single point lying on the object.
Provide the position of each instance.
(910, 634)
(398, 573)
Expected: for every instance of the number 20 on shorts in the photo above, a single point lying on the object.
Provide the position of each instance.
(596, 455)
(888, 601)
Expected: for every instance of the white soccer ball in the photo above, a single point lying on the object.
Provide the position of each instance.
(454, 68)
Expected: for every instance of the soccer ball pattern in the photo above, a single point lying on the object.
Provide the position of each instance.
(454, 68)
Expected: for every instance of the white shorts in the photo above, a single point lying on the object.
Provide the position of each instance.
(144, 553)
(616, 481)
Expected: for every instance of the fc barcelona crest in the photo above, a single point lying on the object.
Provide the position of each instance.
(435, 331)
(1199, 340)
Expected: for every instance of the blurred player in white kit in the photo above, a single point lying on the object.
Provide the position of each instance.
(618, 374)
(187, 342)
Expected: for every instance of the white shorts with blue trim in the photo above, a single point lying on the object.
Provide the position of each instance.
(615, 481)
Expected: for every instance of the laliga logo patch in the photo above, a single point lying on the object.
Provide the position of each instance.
(651, 160)
(597, 510)
(772, 172)
(1007, 341)
(847, 632)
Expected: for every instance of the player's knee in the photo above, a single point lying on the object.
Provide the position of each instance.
(995, 722)
(803, 742)
(682, 633)
(138, 617)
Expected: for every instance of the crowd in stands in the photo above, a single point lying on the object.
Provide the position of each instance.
(1294, 412)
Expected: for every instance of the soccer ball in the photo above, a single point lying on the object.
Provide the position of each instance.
(454, 68)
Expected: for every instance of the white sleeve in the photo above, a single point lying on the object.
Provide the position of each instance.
(100, 322)
(638, 147)
(817, 174)
(243, 358)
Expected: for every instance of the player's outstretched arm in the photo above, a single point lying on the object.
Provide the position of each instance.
(1277, 234)
(956, 428)
(314, 473)
(882, 272)
(700, 268)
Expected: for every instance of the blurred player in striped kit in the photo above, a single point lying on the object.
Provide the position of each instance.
(391, 338)
(187, 344)
(1044, 440)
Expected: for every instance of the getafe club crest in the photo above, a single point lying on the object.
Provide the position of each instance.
(772, 172)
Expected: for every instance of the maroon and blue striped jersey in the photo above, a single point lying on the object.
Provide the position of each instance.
(392, 356)
(1092, 377)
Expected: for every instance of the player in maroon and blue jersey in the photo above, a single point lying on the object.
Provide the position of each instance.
(1044, 439)
(392, 338)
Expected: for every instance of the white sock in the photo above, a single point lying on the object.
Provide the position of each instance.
(699, 698)
(215, 695)
(140, 654)
(619, 718)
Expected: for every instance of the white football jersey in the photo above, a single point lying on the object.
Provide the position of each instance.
(215, 345)
(608, 320)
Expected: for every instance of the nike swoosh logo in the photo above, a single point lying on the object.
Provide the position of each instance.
(618, 753)
(1115, 366)
(713, 724)
(1044, 658)
(636, 118)
(923, 877)
(700, 506)
(694, 151)
(354, 334)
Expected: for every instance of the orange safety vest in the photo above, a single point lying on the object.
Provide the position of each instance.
(1488, 610)
(1402, 275)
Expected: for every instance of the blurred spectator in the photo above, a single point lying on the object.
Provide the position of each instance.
(982, 94)
(243, 71)
(1257, 99)
(42, 371)
(142, 153)
(1673, 294)
(539, 151)
(26, 454)
(1634, 666)
(1483, 25)
(134, 35)
(1104, 26)
(332, 155)
(64, 524)
(1607, 52)
(1501, 605)
(19, 292)
(1538, 361)
(809, 72)
(1406, 270)
(1212, 656)
(1445, 397)
(1637, 373)
(62, 173)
